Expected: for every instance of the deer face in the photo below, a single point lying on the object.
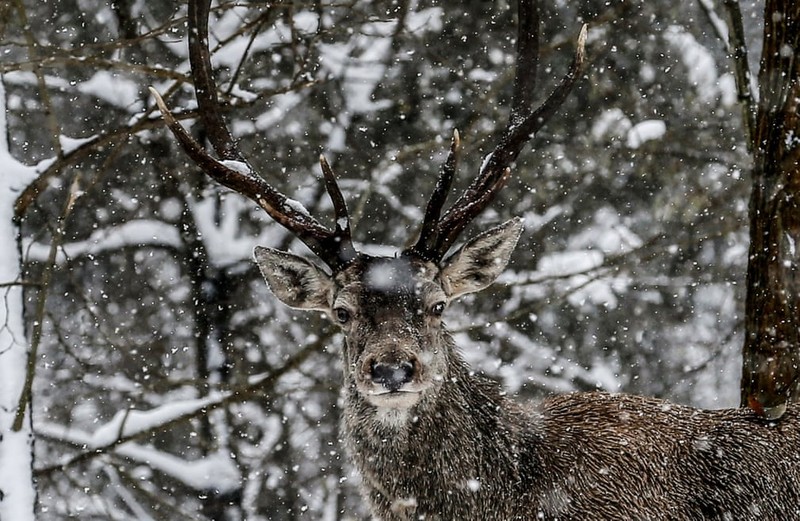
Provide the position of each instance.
(390, 310)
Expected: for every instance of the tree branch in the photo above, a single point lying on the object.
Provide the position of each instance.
(38, 323)
(256, 387)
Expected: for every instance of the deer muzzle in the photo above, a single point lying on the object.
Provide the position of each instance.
(392, 376)
(391, 380)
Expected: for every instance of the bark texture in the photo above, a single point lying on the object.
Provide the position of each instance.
(771, 354)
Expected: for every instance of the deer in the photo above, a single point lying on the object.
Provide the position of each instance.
(433, 440)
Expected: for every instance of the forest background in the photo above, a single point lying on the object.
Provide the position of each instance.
(169, 384)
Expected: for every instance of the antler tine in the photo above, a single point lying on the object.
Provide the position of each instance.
(523, 124)
(428, 231)
(342, 233)
(463, 212)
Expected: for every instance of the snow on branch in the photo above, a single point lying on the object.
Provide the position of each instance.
(128, 425)
(136, 233)
(216, 471)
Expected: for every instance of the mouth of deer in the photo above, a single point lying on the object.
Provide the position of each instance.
(393, 392)
(393, 398)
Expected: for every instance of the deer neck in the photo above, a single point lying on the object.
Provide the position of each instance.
(465, 439)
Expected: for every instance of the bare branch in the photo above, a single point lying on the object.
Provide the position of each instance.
(745, 82)
(256, 386)
(44, 93)
(732, 34)
(38, 324)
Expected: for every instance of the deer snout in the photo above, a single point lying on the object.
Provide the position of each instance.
(392, 375)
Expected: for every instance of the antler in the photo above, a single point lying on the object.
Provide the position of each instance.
(334, 247)
(439, 233)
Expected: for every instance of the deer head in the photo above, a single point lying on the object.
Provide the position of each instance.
(389, 308)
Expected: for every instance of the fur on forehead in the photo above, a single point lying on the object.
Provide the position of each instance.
(387, 274)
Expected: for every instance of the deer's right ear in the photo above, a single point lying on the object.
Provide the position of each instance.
(295, 281)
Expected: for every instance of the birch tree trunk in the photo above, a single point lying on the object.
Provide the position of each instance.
(17, 490)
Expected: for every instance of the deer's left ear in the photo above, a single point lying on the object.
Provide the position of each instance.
(480, 261)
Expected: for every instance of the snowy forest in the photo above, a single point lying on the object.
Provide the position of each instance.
(142, 355)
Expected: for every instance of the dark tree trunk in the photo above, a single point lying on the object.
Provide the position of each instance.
(771, 353)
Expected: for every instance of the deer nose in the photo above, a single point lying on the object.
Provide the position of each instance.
(391, 375)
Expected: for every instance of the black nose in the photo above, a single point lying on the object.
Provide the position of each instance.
(392, 376)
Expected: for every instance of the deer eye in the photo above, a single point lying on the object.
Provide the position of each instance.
(342, 315)
(437, 309)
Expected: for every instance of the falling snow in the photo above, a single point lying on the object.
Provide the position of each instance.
(169, 382)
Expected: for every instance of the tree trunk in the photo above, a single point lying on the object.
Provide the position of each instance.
(17, 492)
(771, 353)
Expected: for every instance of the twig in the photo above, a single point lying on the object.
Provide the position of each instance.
(38, 323)
(745, 82)
(24, 283)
